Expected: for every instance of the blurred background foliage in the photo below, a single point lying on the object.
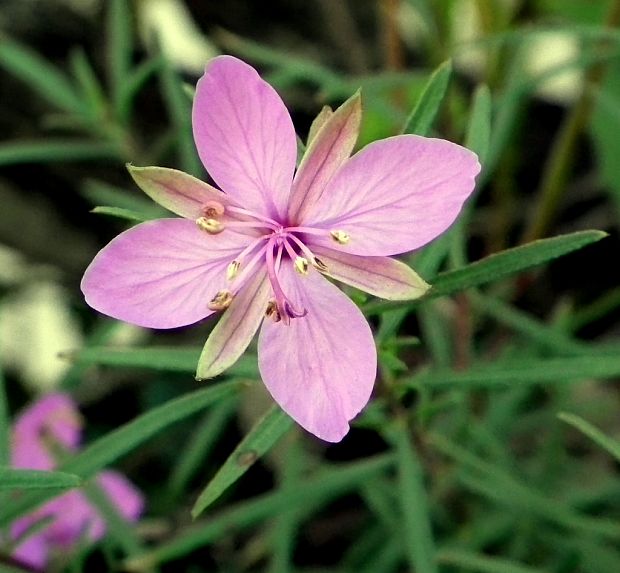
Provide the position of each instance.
(489, 445)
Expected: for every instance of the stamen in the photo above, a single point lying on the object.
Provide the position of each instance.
(221, 301)
(319, 264)
(232, 270)
(271, 223)
(247, 268)
(301, 265)
(316, 262)
(211, 226)
(213, 209)
(272, 311)
(340, 237)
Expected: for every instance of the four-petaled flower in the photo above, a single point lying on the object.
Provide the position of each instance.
(51, 426)
(260, 248)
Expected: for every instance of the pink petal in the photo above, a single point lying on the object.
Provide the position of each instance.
(395, 195)
(321, 368)
(54, 417)
(235, 330)
(176, 191)
(127, 499)
(32, 551)
(161, 274)
(244, 135)
(326, 152)
(381, 276)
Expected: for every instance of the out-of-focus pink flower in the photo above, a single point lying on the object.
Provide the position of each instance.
(51, 427)
(260, 248)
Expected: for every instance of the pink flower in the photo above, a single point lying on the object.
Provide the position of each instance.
(50, 426)
(264, 246)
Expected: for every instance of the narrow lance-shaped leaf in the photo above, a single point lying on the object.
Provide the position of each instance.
(500, 265)
(609, 444)
(119, 46)
(419, 542)
(479, 129)
(421, 118)
(310, 494)
(512, 372)
(41, 76)
(256, 443)
(11, 478)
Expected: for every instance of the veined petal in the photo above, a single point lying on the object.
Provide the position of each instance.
(321, 368)
(177, 191)
(161, 274)
(328, 149)
(394, 196)
(380, 276)
(235, 330)
(244, 135)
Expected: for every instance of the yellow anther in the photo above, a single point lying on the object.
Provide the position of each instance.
(232, 270)
(319, 264)
(301, 265)
(211, 226)
(273, 312)
(340, 237)
(213, 209)
(221, 301)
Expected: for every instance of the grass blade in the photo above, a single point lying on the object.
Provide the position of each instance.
(479, 129)
(418, 534)
(11, 478)
(120, 213)
(165, 358)
(610, 445)
(267, 431)
(468, 561)
(498, 266)
(310, 494)
(119, 43)
(421, 118)
(52, 150)
(41, 76)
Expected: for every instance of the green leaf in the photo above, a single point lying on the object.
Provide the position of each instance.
(421, 119)
(133, 84)
(470, 561)
(498, 266)
(120, 213)
(41, 76)
(92, 92)
(126, 438)
(309, 494)
(173, 359)
(119, 43)
(102, 193)
(415, 512)
(51, 150)
(610, 445)
(179, 111)
(11, 478)
(200, 443)
(267, 431)
(522, 372)
(479, 129)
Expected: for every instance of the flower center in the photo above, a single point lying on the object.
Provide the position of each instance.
(270, 246)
